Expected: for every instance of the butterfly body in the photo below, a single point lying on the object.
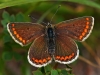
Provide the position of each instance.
(52, 41)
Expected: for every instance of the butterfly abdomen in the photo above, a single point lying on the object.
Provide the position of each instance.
(51, 40)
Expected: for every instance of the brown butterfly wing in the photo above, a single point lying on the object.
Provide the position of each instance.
(78, 28)
(38, 55)
(23, 33)
(66, 50)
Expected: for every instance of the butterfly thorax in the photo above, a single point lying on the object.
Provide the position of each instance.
(50, 40)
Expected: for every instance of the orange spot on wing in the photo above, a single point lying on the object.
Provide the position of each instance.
(44, 60)
(80, 37)
(13, 29)
(87, 23)
(13, 25)
(36, 61)
(66, 58)
(17, 36)
(15, 32)
(62, 58)
(85, 30)
(87, 26)
(87, 19)
(40, 61)
(24, 41)
(73, 54)
(83, 33)
(70, 57)
(57, 57)
(33, 59)
(20, 38)
(48, 58)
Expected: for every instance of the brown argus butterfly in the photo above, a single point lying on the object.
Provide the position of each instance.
(54, 41)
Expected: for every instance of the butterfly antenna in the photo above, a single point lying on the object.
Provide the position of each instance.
(54, 14)
(36, 19)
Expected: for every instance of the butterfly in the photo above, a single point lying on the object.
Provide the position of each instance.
(53, 41)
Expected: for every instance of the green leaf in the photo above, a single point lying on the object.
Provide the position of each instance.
(7, 37)
(54, 72)
(48, 68)
(6, 19)
(64, 72)
(3, 22)
(19, 17)
(42, 69)
(37, 72)
(5, 15)
(59, 70)
(7, 55)
(12, 18)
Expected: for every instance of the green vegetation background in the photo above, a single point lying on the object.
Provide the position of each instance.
(13, 57)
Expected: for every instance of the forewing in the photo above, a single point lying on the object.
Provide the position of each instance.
(38, 55)
(66, 50)
(78, 28)
(23, 33)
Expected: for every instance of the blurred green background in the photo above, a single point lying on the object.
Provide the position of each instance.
(13, 57)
